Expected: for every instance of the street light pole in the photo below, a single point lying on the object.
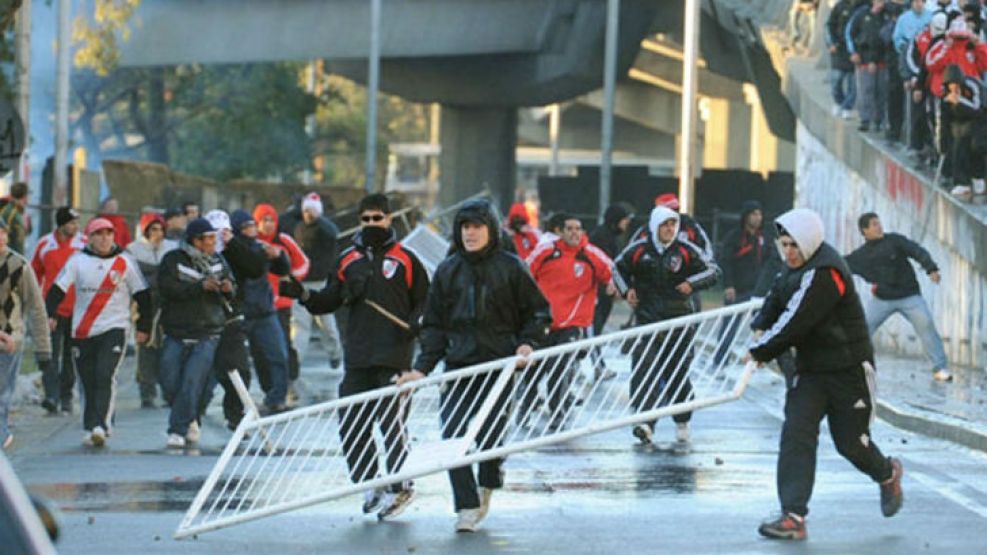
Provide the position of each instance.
(609, 89)
(687, 150)
(373, 79)
(554, 117)
(60, 194)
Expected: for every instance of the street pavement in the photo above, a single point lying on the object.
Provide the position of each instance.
(598, 494)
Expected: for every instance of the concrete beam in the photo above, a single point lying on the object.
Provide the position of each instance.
(173, 32)
(646, 105)
(660, 60)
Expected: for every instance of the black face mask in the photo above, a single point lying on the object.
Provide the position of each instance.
(375, 236)
(517, 224)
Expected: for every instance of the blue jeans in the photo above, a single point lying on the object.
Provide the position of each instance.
(918, 315)
(185, 368)
(10, 365)
(269, 348)
(844, 88)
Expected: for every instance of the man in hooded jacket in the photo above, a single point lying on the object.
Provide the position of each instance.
(482, 305)
(658, 275)
(813, 307)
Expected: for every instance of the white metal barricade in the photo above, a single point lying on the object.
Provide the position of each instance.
(430, 247)
(314, 454)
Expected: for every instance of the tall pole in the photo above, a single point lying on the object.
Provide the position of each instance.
(60, 194)
(373, 79)
(22, 64)
(609, 89)
(687, 143)
(554, 117)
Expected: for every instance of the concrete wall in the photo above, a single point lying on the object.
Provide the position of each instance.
(842, 173)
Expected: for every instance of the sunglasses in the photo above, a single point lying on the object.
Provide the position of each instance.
(372, 218)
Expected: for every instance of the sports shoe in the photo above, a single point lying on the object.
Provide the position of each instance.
(334, 363)
(396, 503)
(98, 436)
(864, 127)
(8, 441)
(643, 432)
(961, 192)
(194, 433)
(468, 519)
(682, 434)
(148, 403)
(979, 186)
(788, 526)
(485, 495)
(835, 110)
(175, 441)
(942, 375)
(50, 406)
(846, 114)
(87, 439)
(891, 496)
(372, 500)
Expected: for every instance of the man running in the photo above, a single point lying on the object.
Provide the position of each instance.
(106, 280)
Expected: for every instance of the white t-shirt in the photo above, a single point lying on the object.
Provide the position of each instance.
(103, 289)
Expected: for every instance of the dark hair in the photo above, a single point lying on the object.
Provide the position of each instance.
(18, 190)
(557, 221)
(375, 201)
(186, 204)
(865, 219)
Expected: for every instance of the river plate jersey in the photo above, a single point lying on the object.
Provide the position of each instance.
(103, 289)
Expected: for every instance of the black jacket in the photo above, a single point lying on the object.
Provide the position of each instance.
(884, 263)
(744, 257)
(318, 241)
(865, 32)
(815, 308)
(187, 310)
(481, 306)
(655, 275)
(250, 266)
(390, 276)
(608, 236)
(839, 16)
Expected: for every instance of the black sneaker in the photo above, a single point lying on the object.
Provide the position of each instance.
(50, 406)
(644, 433)
(788, 526)
(891, 496)
(864, 127)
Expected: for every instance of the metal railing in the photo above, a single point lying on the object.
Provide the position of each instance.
(390, 435)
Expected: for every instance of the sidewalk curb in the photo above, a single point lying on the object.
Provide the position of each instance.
(932, 425)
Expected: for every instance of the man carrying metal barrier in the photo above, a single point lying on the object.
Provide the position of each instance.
(658, 275)
(384, 285)
(813, 307)
(483, 305)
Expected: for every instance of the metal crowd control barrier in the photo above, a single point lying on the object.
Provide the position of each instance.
(430, 247)
(315, 454)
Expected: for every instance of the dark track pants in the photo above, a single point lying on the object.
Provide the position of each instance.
(659, 381)
(846, 398)
(97, 360)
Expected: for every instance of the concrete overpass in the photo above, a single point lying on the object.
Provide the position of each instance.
(481, 59)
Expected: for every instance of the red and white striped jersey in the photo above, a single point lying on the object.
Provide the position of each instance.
(103, 289)
(50, 256)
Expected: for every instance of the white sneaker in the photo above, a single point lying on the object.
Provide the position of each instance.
(682, 434)
(643, 432)
(485, 495)
(396, 503)
(961, 192)
(835, 111)
(194, 433)
(98, 436)
(468, 519)
(87, 439)
(942, 375)
(373, 500)
(979, 187)
(846, 114)
(176, 441)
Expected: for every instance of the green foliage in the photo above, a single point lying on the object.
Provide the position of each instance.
(97, 46)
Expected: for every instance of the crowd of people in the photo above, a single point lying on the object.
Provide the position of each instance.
(227, 291)
(919, 67)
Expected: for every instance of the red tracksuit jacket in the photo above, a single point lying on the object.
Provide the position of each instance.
(569, 278)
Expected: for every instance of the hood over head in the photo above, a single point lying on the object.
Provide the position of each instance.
(476, 211)
(149, 218)
(614, 213)
(746, 208)
(805, 227)
(660, 215)
(260, 212)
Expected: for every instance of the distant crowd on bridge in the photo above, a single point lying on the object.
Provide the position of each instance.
(915, 71)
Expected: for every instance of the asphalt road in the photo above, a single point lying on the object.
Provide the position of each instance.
(599, 494)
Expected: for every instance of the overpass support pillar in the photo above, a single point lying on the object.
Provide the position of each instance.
(478, 152)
